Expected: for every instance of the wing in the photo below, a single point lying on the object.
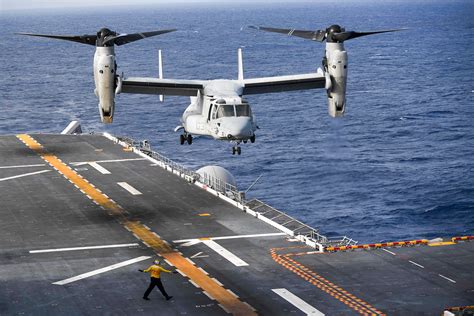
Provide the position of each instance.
(83, 39)
(162, 86)
(122, 39)
(284, 83)
(318, 35)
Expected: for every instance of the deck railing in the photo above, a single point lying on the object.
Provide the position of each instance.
(278, 218)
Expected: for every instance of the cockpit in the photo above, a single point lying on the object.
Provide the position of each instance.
(231, 110)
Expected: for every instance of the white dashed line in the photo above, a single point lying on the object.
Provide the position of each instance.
(392, 253)
(297, 302)
(225, 253)
(217, 281)
(99, 168)
(129, 188)
(416, 264)
(102, 270)
(446, 278)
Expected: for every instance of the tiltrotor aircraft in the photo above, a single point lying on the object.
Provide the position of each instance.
(107, 82)
(217, 107)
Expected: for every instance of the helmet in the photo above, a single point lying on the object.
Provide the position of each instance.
(157, 261)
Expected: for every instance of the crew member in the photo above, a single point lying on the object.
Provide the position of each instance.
(155, 271)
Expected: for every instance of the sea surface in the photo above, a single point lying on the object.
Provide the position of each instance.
(399, 165)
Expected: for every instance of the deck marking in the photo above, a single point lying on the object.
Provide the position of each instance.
(129, 188)
(392, 253)
(442, 243)
(297, 302)
(416, 264)
(22, 166)
(99, 168)
(80, 163)
(225, 299)
(322, 283)
(450, 280)
(225, 253)
(199, 255)
(231, 237)
(24, 175)
(102, 270)
(84, 248)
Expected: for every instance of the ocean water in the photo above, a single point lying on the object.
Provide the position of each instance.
(399, 165)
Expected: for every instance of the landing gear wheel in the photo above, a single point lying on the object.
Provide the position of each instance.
(233, 150)
(252, 139)
(189, 139)
(181, 139)
(239, 151)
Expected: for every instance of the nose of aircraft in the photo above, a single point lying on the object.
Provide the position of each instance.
(238, 127)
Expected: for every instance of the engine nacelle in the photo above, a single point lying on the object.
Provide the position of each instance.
(336, 66)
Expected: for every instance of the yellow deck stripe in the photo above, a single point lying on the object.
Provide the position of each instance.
(441, 243)
(227, 300)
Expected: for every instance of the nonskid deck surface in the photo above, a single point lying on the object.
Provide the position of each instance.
(62, 191)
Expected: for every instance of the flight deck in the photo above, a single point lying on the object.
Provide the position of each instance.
(80, 214)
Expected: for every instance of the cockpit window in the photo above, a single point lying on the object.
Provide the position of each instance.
(225, 110)
(243, 110)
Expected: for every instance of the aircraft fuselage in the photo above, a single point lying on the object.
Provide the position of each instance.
(220, 112)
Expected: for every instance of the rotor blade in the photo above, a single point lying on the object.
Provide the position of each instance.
(344, 36)
(83, 39)
(122, 39)
(318, 35)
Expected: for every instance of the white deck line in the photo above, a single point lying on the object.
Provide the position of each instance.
(22, 166)
(84, 248)
(392, 253)
(23, 175)
(232, 237)
(446, 278)
(297, 302)
(102, 270)
(225, 253)
(416, 264)
(129, 188)
(99, 168)
(80, 163)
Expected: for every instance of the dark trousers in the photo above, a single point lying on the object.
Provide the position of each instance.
(155, 282)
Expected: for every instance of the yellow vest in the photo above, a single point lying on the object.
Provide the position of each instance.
(155, 271)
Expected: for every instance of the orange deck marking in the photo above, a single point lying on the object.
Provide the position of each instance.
(161, 247)
(323, 284)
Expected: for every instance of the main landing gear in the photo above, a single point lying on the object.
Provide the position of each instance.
(188, 138)
(236, 149)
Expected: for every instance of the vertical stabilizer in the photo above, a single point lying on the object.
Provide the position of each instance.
(240, 64)
(160, 72)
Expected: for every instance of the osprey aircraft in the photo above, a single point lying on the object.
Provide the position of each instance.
(217, 107)
(107, 82)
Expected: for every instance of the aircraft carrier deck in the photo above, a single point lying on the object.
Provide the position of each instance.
(80, 214)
